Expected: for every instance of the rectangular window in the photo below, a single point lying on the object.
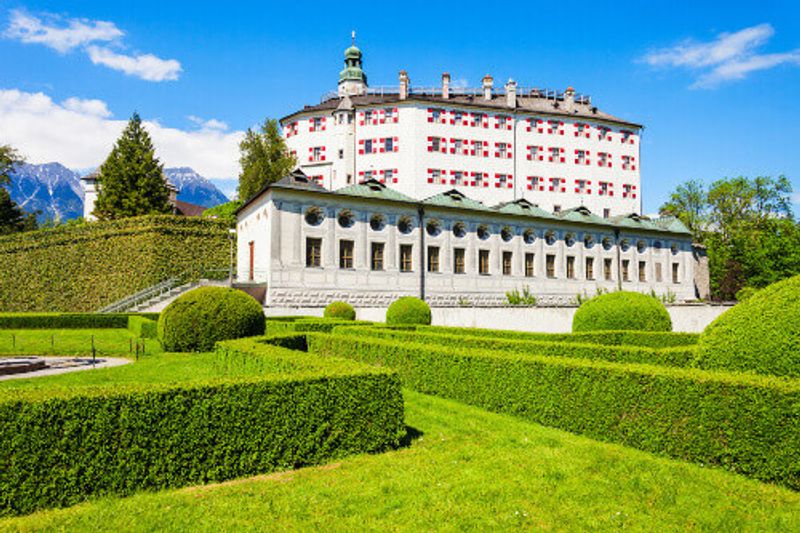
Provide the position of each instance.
(406, 258)
(556, 209)
(477, 119)
(483, 262)
(433, 259)
(607, 269)
(507, 257)
(316, 154)
(529, 269)
(458, 177)
(459, 261)
(589, 268)
(550, 262)
(341, 154)
(478, 146)
(570, 267)
(388, 144)
(675, 273)
(606, 212)
(625, 270)
(313, 252)
(368, 117)
(377, 256)
(388, 175)
(346, 254)
(659, 276)
(368, 146)
(642, 271)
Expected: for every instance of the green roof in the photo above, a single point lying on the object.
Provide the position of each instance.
(454, 198)
(582, 214)
(522, 207)
(374, 189)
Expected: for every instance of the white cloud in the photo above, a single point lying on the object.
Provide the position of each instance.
(80, 133)
(97, 108)
(77, 32)
(66, 35)
(731, 56)
(796, 198)
(212, 124)
(145, 66)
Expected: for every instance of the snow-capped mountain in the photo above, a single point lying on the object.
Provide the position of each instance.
(55, 191)
(194, 188)
(51, 189)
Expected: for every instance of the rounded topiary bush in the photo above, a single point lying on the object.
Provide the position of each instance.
(622, 311)
(201, 317)
(760, 334)
(408, 310)
(745, 293)
(340, 310)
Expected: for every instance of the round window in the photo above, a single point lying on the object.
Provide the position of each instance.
(588, 241)
(607, 243)
(459, 229)
(346, 218)
(483, 232)
(625, 245)
(405, 225)
(314, 216)
(550, 238)
(641, 246)
(433, 227)
(377, 222)
(506, 233)
(569, 239)
(529, 236)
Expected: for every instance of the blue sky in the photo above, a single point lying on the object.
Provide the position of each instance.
(717, 88)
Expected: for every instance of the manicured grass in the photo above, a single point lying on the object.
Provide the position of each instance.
(470, 469)
(71, 342)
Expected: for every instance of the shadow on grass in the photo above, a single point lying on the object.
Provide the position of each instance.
(408, 439)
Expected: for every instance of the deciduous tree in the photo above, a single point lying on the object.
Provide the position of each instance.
(264, 159)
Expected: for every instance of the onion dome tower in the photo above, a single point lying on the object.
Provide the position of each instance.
(352, 80)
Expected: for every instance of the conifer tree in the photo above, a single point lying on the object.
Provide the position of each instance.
(131, 179)
(12, 217)
(264, 159)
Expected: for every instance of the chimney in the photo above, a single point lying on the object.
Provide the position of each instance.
(511, 94)
(569, 99)
(445, 85)
(487, 87)
(403, 85)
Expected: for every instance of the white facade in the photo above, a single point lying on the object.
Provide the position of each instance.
(556, 259)
(554, 149)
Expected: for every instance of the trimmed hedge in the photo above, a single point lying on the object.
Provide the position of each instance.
(649, 339)
(622, 310)
(280, 326)
(744, 423)
(760, 334)
(408, 310)
(682, 356)
(258, 408)
(339, 310)
(195, 321)
(143, 327)
(69, 320)
(86, 267)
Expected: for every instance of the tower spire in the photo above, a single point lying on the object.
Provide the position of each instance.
(352, 79)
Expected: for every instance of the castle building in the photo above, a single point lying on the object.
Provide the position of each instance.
(553, 148)
(459, 196)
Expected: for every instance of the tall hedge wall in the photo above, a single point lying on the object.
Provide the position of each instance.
(173, 420)
(745, 423)
(84, 268)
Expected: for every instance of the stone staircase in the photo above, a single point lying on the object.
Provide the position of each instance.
(156, 298)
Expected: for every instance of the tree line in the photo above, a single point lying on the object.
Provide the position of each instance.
(747, 226)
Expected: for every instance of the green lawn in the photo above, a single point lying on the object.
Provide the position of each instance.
(70, 342)
(469, 470)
